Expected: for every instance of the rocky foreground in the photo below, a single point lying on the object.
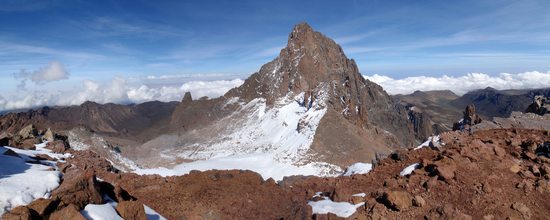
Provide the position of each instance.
(489, 174)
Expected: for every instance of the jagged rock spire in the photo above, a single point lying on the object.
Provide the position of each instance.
(312, 63)
(309, 59)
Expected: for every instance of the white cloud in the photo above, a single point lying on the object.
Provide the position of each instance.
(53, 72)
(119, 90)
(463, 84)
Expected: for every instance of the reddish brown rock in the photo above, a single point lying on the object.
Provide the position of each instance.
(131, 210)
(419, 201)
(19, 213)
(522, 209)
(28, 144)
(446, 211)
(79, 187)
(57, 146)
(398, 200)
(70, 212)
(515, 168)
(43, 206)
(499, 151)
(445, 169)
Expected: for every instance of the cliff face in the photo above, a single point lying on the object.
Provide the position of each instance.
(132, 121)
(361, 117)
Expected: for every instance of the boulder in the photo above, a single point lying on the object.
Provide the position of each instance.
(70, 212)
(397, 200)
(419, 201)
(515, 168)
(48, 135)
(28, 144)
(79, 187)
(543, 186)
(28, 132)
(43, 206)
(131, 210)
(445, 169)
(470, 116)
(499, 151)
(57, 146)
(544, 169)
(446, 212)
(539, 105)
(19, 213)
(469, 119)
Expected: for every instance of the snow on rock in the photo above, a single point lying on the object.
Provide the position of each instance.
(427, 142)
(100, 212)
(23, 179)
(285, 131)
(40, 149)
(152, 214)
(271, 141)
(358, 168)
(107, 211)
(263, 164)
(359, 195)
(409, 169)
(341, 209)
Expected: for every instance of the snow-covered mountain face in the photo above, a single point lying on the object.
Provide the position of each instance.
(309, 109)
(255, 136)
(273, 141)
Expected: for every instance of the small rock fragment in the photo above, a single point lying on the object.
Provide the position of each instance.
(523, 209)
(419, 201)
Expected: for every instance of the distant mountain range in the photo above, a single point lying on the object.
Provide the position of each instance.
(442, 108)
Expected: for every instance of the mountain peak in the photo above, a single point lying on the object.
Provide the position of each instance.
(309, 60)
(303, 37)
(301, 30)
(302, 27)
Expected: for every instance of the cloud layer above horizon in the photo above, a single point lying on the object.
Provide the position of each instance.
(125, 91)
(463, 84)
(119, 90)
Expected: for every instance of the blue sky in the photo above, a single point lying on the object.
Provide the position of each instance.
(98, 40)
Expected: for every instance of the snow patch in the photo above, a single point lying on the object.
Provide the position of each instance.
(341, 209)
(23, 180)
(358, 168)
(409, 169)
(264, 164)
(152, 214)
(427, 142)
(107, 211)
(359, 195)
(100, 212)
